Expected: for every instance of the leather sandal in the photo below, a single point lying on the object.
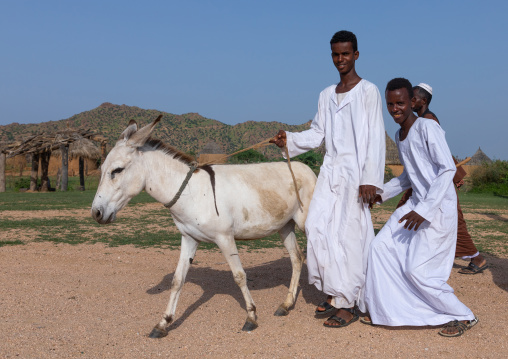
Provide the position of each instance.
(342, 322)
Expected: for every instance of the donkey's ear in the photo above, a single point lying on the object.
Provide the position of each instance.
(132, 127)
(139, 138)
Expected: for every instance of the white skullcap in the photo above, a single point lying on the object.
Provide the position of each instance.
(425, 87)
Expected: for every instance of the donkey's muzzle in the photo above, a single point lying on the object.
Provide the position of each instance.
(98, 215)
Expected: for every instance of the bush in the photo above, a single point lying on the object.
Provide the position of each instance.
(24, 182)
(249, 156)
(490, 177)
(388, 174)
(312, 159)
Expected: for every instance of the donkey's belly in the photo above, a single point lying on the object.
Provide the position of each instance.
(248, 230)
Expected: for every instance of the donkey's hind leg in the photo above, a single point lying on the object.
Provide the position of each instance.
(287, 234)
(187, 252)
(228, 247)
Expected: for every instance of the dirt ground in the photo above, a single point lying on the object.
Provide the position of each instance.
(94, 301)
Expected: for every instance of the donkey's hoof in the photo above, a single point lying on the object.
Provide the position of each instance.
(158, 332)
(249, 325)
(281, 312)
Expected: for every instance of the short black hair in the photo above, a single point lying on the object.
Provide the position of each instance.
(400, 83)
(345, 36)
(423, 93)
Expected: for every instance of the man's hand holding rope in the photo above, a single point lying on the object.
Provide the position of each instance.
(280, 139)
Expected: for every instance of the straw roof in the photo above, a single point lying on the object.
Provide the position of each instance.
(392, 154)
(479, 158)
(6, 146)
(51, 142)
(82, 147)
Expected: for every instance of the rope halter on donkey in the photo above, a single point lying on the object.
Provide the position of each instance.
(195, 165)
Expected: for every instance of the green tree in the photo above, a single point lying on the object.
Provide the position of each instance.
(249, 156)
(388, 174)
(490, 177)
(312, 159)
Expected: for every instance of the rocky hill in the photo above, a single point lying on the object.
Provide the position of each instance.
(188, 132)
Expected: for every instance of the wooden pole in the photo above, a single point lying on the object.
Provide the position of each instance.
(35, 172)
(44, 171)
(463, 162)
(81, 175)
(64, 150)
(2, 171)
(58, 179)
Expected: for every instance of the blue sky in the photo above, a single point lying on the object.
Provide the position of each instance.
(237, 61)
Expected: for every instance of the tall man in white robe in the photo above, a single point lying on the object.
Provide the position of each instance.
(410, 263)
(339, 227)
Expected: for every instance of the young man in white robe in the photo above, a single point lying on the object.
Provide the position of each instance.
(412, 256)
(339, 227)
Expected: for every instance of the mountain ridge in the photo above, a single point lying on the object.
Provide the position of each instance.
(188, 132)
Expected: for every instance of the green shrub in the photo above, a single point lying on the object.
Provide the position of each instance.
(490, 177)
(249, 156)
(312, 159)
(388, 174)
(24, 182)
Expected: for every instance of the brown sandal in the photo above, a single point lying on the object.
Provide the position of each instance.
(461, 327)
(342, 322)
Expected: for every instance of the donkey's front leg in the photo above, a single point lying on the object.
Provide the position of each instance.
(228, 247)
(187, 252)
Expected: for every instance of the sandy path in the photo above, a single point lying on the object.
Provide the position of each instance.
(92, 301)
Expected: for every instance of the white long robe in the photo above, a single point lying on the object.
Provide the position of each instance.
(408, 270)
(338, 227)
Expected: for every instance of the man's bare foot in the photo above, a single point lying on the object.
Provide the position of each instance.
(479, 260)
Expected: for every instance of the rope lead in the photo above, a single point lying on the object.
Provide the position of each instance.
(257, 145)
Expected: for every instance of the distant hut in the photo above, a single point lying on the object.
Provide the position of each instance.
(479, 158)
(41, 146)
(4, 147)
(82, 148)
(392, 154)
(211, 153)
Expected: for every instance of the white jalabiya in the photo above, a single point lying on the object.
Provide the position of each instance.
(408, 270)
(338, 227)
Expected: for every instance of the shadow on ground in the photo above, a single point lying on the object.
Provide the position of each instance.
(499, 269)
(271, 275)
(497, 266)
(215, 282)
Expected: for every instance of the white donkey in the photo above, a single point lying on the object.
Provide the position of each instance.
(220, 204)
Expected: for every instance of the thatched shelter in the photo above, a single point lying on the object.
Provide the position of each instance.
(479, 158)
(5, 147)
(211, 152)
(41, 146)
(392, 154)
(82, 148)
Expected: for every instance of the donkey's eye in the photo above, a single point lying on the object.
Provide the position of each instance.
(116, 171)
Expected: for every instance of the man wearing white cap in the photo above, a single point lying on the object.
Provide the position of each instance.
(423, 96)
(465, 246)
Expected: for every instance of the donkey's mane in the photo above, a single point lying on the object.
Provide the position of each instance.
(158, 145)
